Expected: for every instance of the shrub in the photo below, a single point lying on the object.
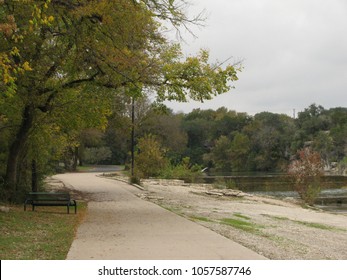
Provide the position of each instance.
(149, 157)
(184, 171)
(306, 172)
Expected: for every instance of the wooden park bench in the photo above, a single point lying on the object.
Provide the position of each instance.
(50, 199)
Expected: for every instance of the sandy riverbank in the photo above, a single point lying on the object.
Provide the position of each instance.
(277, 229)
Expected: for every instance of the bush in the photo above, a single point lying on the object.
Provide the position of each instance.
(149, 157)
(306, 172)
(184, 171)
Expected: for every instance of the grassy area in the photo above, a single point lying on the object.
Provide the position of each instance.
(45, 234)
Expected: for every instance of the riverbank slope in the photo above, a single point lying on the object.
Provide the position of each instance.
(277, 229)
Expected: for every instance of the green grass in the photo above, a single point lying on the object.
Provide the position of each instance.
(308, 224)
(242, 225)
(240, 221)
(319, 226)
(45, 234)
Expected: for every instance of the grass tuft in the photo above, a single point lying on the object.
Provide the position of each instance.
(239, 215)
(242, 225)
(319, 226)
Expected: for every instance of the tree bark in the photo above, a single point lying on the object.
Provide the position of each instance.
(75, 159)
(34, 178)
(16, 150)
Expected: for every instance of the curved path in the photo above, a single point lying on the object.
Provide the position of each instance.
(119, 225)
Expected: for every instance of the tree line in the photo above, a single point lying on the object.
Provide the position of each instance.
(222, 140)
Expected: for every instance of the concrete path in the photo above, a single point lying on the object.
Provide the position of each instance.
(119, 225)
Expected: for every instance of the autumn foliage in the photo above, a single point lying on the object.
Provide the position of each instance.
(306, 172)
(149, 157)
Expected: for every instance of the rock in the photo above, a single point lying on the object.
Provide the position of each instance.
(149, 197)
(214, 193)
(234, 193)
(155, 197)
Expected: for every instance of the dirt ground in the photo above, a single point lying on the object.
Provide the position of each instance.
(276, 229)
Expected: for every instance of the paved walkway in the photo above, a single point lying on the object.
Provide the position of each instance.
(119, 225)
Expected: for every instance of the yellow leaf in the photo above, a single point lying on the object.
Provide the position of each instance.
(26, 66)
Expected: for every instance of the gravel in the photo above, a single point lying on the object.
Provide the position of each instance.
(276, 229)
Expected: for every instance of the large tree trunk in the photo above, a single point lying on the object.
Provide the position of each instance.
(16, 150)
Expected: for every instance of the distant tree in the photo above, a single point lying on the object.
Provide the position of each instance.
(220, 154)
(229, 122)
(325, 129)
(97, 155)
(240, 150)
(167, 128)
(309, 122)
(270, 135)
(198, 129)
(323, 143)
(338, 132)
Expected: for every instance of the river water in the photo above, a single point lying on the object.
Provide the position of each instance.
(279, 185)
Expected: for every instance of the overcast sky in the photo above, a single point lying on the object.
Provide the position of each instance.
(294, 53)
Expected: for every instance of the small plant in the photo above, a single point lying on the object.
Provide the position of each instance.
(306, 172)
(135, 180)
(231, 184)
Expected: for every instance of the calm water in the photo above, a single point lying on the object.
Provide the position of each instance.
(280, 185)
